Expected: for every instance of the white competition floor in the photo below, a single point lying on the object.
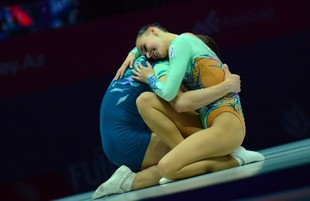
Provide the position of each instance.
(284, 175)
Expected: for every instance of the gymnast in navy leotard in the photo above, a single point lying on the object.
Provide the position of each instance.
(124, 135)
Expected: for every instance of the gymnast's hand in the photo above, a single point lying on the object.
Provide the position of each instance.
(232, 81)
(130, 59)
(141, 73)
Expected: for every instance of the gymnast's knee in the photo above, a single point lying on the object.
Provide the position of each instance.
(144, 100)
(167, 169)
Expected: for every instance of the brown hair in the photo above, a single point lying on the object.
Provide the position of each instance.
(145, 27)
(210, 43)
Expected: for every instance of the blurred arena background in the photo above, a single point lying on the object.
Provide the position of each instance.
(57, 57)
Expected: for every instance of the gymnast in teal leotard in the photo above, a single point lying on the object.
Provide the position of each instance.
(197, 67)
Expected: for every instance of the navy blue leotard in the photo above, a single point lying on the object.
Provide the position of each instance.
(125, 137)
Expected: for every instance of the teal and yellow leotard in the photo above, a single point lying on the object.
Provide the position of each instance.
(196, 66)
